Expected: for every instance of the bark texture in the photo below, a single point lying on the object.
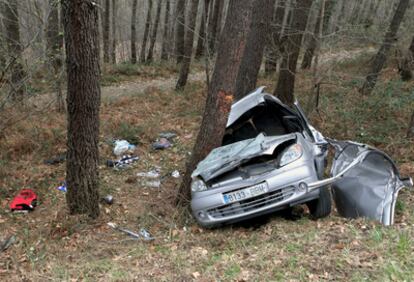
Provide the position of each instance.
(407, 66)
(113, 49)
(214, 25)
(179, 30)
(381, 57)
(14, 48)
(273, 43)
(222, 87)
(134, 32)
(83, 101)
(188, 48)
(291, 48)
(154, 33)
(54, 44)
(324, 16)
(165, 36)
(105, 31)
(146, 32)
(202, 31)
(256, 41)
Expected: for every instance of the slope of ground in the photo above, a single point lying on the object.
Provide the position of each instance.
(54, 246)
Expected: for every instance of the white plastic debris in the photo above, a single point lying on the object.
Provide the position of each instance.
(175, 174)
(150, 174)
(123, 146)
(153, 184)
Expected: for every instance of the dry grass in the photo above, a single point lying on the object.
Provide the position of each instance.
(54, 246)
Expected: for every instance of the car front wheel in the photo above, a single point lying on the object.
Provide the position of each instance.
(322, 206)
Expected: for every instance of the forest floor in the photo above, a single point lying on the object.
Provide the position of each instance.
(51, 245)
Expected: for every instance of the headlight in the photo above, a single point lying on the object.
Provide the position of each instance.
(290, 154)
(198, 185)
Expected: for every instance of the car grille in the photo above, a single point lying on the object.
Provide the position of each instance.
(252, 203)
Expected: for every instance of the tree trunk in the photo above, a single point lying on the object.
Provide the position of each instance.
(83, 101)
(54, 44)
(134, 32)
(214, 25)
(291, 49)
(315, 38)
(253, 54)
(154, 33)
(165, 37)
(114, 15)
(381, 57)
(410, 132)
(202, 32)
(273, 43)
(221, 89)
(188, 48)
(14, 48)
(179, 30)
(106, 31)
(146, 32)
(406, 68)
(2, 45)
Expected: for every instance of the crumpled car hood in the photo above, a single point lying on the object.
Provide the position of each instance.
(226, 158)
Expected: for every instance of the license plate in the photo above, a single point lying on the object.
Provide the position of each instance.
(245, 193)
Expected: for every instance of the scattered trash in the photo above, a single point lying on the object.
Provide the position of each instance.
(161, 144)
(56, 160)
(26, 200)
(7, 243)
(175, 174)
(123, 162)
(123, 146)
(108, 199)
(62, 187)
(143, 233)
(155, 173)
(152, 184)
(167, 135)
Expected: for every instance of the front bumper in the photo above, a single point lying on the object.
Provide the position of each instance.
(209, 209)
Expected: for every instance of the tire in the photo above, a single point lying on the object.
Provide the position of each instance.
(321, 207)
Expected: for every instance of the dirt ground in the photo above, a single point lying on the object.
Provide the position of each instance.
(51, 245)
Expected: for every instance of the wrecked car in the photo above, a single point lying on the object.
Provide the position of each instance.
(271, 159)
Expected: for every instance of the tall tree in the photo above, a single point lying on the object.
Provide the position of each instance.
(188, 47)
(274, 38)
(106, 31)
(54, 44)
(256, 41)
(134, 32)
(146, 32)
(214, 25)
(165, 36)
(179, 30)
(14, 48)
(83, 101)
(290, 50)
(315, 40)
(222, 87)
(406, 68)
(381, 57)
(202, 31)
(113, 49)
(154, 33)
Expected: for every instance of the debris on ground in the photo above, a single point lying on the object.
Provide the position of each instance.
(122, 147)
(4, 245)
(152, 184)
(155, 173)
(62, 187)
(123, 162)
(175, 174)
(142, 234)
(55, 160)
(154, 177)
(26, 200)
(161, 144)
(108, 199)
(167, 134)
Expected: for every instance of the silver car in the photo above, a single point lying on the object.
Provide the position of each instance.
(271, 158)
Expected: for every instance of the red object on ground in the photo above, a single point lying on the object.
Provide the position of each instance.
(25, 200)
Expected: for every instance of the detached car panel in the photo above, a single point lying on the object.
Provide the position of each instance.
(272, 158)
